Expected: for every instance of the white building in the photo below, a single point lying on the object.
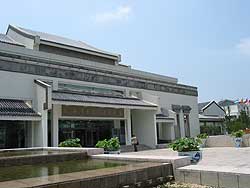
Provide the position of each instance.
(54, 88)
(233, 109)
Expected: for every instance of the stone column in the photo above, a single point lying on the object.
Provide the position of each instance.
(56, 111)
(182, 125)
(40, 128)
(172, 132)
(127, 126)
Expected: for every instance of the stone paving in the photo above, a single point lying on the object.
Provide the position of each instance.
(219, 158)
(226, 159)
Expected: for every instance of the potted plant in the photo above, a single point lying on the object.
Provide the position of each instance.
(203, 137)
(74, 142)
(188, 147)
(111, 146)
(238, 138)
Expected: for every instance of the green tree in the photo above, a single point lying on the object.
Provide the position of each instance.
(240, 123)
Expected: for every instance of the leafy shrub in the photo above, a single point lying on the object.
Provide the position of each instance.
(102, 144)
(112, 144)
(75, 142)
(202, 136)
(238, 134)
(211, 129)
(186, 144)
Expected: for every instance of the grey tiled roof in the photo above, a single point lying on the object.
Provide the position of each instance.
(87, 98)
(11, 107)
(6, 39)
(62, 40)
(202, 105)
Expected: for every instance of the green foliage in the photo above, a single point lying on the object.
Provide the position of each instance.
(186, 144)
(202, 136)
(102, 144)
(112, 144)
(75, 142)
(211, 129)
(238, 134)
(240, 123)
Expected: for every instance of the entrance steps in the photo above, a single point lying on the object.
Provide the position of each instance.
(130, 148)
(217, 176)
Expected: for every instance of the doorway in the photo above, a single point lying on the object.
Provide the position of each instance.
(89, 131)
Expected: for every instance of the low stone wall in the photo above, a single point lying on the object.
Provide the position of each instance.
(51, 158)
(9, 158)
(132, 175)
(213, 178)
(226, 141)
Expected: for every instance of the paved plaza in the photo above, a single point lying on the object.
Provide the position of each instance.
(226, 159)
(217, 158)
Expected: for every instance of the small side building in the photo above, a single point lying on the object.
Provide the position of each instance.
(211, 118)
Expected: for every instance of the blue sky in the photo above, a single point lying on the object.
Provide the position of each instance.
(202, 43)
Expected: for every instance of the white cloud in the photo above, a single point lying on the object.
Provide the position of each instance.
(244, 46)
(121, 13)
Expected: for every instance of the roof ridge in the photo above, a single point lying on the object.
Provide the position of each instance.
(69, 41)
(21, 29)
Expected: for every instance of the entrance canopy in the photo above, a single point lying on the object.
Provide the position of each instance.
(12, 109)
(161, 118)
(80, 99)
(204, 118)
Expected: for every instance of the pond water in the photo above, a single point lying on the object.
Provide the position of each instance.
(39, 170)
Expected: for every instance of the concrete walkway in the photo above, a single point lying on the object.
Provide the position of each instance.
(226, 159)
(157, 155)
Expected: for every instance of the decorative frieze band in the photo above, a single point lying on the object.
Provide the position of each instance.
(66, 73)
(185, 108)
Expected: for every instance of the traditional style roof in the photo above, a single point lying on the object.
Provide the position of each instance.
(211, 118)
(99, 99)
(202, 105)
(6, 39)
(12, 107)
(59, 40)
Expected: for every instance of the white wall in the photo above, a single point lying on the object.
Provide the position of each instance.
(167, 99)
(144, 127)
(16, 85)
